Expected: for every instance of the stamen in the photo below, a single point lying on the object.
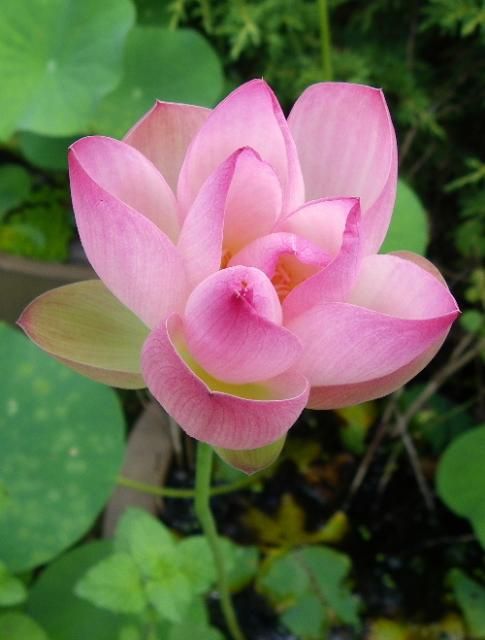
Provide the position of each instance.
(282, 282)
(289, 273)
(226, 256)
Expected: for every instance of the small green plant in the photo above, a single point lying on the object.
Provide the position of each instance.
(17, 626)
(41, 227)
(12, 590)
(310, 587)
(470, 597)
(160, 580)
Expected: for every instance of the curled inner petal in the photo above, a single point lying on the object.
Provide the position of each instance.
(250, 116)
(239, 201)
(287, 259)
(340, 219)
(231, 324)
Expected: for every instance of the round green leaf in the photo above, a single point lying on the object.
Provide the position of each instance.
(439, 422)
(64, 615)
(45, 152)
(461, 478)
(473, 321)
(408, 230)
(177, 66)
(57, 58)
(15, 185)
(17, 626)
(62, 446)
(12, 590)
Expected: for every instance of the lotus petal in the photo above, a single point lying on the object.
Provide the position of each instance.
(128, 176)
(333, 282)
(85, 326)
(226, 214)
(164, 134)
(249, 117)
(395, 313)
(133, 257)
(231, 327)
(224, 415)
(347, 147)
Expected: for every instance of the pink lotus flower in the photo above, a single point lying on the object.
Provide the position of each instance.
(237, 253)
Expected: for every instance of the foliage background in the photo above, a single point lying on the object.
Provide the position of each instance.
(412, 526)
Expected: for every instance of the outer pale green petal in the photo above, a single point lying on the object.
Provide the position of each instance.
(252, 460)
(87, 328)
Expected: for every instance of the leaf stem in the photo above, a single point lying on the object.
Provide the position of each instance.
(202, 508)
(325, 40)
(186, 494)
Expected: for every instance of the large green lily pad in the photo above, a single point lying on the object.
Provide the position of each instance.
(45, 151)
(62, 441)
(16, 626)
(65, 616)
(15, 185)
(409, 230)
(470, 596)
(57, 59)
(177, 66)
(461, 478)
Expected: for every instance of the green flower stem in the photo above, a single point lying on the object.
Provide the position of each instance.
(186, 494)
(325, 40)
(203, 471)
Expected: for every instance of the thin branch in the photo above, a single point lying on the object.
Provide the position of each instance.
(176, 492)
(460, 357)
(374, 445)
(418, 471)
